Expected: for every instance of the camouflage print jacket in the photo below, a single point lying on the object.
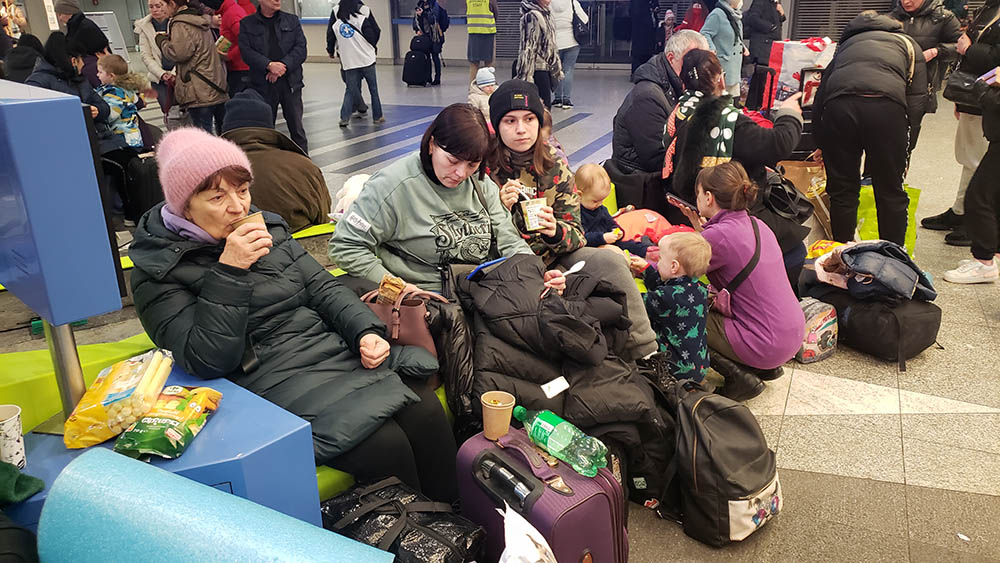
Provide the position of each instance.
(557, 186)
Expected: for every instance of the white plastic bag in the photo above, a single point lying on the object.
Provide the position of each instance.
(523, 543)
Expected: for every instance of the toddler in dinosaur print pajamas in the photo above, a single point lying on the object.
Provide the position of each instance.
(677, 303)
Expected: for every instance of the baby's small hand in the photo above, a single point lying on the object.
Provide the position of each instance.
(637, 265)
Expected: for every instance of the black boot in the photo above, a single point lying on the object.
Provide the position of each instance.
(768, 374)
(740, 384)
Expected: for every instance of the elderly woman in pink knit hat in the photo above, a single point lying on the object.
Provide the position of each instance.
(248, 303)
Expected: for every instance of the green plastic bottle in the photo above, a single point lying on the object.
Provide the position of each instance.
(583, 453)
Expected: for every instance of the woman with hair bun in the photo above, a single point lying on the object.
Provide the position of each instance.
(757, 323)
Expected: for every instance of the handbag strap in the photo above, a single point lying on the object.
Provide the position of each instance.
(494, 251)
(205, 79)
(996, 17)
(751, 265)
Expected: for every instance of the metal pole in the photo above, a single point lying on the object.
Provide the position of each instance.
(65, 360)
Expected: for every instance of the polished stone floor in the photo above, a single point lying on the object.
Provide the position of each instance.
(877, 464)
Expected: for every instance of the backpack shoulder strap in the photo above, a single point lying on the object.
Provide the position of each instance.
(911, 55)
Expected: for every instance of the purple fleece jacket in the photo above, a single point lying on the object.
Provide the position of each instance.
(767, 325)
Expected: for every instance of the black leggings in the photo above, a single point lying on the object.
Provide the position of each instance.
(416, 445)
(982, 206)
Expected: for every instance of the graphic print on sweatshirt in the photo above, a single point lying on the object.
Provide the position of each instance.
(462, 236)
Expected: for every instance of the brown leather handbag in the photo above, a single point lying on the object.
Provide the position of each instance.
(406, 319)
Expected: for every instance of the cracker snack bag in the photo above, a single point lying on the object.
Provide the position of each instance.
(117, 398)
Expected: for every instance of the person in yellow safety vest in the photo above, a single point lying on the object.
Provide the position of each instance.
(482, 26)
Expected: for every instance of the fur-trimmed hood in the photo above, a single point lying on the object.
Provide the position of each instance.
(132, 81)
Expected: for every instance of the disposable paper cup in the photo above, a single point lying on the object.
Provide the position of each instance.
(497, 408)
(252, 218)
(530, 209)
(11, 441)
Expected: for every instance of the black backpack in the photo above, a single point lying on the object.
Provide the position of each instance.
(891, 329)
(723, 481)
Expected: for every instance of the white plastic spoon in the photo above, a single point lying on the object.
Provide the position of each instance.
(572, 270)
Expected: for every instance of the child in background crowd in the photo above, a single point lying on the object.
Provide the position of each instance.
(598, 225)
(480, 90)
(677, 303)
(120, 89)
(546, 133)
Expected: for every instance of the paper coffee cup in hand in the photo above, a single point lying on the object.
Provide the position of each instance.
(11, 440)
(497, 409)
(257, 217)
(530, 208)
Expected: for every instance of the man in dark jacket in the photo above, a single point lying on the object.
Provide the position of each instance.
(84, 34)
(979, 48)
(20, 61)
(936, 30)
(872, 92)
(274, 47)
(637, 141)
(285, 181)
(762, 23)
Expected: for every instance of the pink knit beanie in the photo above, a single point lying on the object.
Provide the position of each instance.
(187, 156)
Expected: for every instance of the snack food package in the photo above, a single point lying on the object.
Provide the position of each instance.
(168, 428)
(118, 397)
(389, 289)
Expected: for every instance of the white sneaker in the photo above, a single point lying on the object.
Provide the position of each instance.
(973, 271)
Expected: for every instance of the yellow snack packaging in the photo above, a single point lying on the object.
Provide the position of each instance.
(120, 395)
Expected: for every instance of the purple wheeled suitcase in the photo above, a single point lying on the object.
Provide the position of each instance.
(583, 518)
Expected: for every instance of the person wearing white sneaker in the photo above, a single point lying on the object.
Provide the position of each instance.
(982, 200)
(973, 271)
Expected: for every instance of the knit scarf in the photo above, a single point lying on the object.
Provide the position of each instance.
(718, 149)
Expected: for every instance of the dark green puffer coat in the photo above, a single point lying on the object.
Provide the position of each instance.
(300, 323)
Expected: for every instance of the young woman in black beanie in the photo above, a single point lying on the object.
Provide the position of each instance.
(523, 163)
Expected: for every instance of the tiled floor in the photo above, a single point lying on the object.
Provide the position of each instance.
(877, 465)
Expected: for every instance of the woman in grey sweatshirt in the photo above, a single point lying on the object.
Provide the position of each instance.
(433, 207)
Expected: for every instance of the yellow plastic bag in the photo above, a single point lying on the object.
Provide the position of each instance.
(821, 247)
(120, 395)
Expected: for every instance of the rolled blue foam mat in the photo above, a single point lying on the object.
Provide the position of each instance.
(108, 507)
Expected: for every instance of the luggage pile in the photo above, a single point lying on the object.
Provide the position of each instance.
(882, 298)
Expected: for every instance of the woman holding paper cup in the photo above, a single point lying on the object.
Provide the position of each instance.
(232, 294)
(528, 171)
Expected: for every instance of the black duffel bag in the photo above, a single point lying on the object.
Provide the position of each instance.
(891, 329)
(393, 517)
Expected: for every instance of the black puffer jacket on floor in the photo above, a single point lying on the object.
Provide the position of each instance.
(932, 26)
(872, 60)
(507, 297)
(285, 329)
(522, 343)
